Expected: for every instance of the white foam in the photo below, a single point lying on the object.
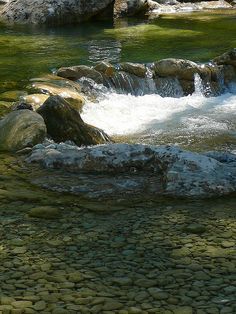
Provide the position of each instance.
(119, 114)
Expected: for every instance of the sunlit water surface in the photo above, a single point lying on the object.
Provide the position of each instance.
(195, 122)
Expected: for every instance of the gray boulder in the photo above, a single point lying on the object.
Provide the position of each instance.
(123, 169)
(52, 12)
(20, 129)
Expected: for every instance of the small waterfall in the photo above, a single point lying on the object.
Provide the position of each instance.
(151, 85)
(198, 85)
(169, 87)
(123, 83)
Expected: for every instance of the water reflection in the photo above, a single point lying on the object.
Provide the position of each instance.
(104, 50)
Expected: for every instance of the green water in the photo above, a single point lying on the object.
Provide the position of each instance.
(80, 241)
(26, 52)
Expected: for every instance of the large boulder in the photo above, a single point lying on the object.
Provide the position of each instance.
(64, 123)
(180, 68)
(129, 7)
(20, 129)
(52, 12)
(122, 169)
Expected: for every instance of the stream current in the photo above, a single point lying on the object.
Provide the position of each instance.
(85, 262)
(194, 122)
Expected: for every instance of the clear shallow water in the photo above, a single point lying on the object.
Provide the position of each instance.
(28, 52)
(195, 121)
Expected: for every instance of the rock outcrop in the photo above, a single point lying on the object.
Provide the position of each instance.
(64, 123)
(52, 12)
(123, 169)
(20, 129)
(75, 11)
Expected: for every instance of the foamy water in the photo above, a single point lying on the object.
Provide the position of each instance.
(119, 114)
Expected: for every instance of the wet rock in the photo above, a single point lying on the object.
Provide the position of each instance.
(22, 106)
(158, 295)
(183, 310)
(65, 124)
(69, 94)
(227, 58)
(76, 72)
(45, 212)
(180, 68)
(122, 281)
(195, 228)
(12, 95)
(134, 68)
(5, 108)
(19, 250)
(105, 68)
(35, 100)
(112, 305)
(40, 306)
(20, 129)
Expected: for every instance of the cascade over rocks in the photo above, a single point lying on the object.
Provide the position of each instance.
(167, 77)
(123, 169)
(20, 129)
(64, 123)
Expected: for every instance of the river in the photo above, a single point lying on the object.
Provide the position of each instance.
(138, 255)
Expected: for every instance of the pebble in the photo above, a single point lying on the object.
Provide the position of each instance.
(134, 262)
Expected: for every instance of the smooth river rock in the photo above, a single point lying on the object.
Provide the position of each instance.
(20, 129)
(64, 123)
(119, 169)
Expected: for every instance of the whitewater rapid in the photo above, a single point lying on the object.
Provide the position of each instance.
(119, 114)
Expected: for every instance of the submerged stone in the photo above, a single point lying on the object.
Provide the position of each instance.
(46, 212)
(195, 228)
(5, 108)
(12, 95)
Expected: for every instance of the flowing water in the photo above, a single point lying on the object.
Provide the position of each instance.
(195, 121)
(83, 260)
